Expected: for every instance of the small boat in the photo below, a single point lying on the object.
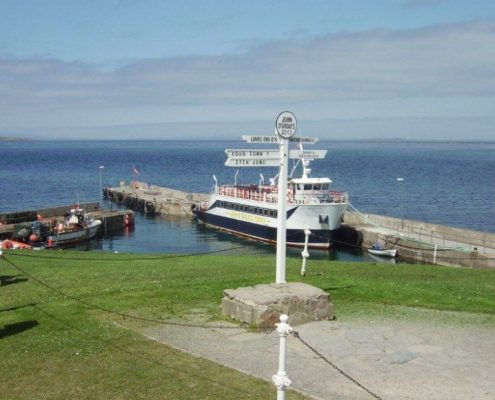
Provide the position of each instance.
(78, 226)
(380, 259)
(377, 250)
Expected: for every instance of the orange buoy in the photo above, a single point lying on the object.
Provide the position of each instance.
(128, 220)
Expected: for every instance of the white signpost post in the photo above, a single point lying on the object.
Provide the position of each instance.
(285, 129)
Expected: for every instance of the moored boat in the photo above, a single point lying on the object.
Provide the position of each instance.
(383, 252)
(251, 210)
(377, 250)
(78, 226)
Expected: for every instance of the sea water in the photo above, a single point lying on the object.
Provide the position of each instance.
(450, 183)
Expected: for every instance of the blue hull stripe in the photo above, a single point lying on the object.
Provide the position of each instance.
(318, 238)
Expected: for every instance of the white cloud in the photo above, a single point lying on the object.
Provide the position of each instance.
(444, 62)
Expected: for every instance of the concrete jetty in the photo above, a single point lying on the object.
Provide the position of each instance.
(153, 199)
(421, 241)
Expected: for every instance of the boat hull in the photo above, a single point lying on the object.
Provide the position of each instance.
(74, 236)
(383, 252)
(319, 238)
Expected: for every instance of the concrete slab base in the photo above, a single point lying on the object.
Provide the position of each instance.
(262, 305)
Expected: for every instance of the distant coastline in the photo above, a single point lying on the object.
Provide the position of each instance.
(12, 139)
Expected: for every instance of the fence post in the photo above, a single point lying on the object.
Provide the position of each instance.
(281, 380)
(305, 253)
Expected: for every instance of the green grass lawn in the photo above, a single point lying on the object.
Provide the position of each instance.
(56, 347)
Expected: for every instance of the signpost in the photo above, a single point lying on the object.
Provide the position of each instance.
(260, 153)
(285, 129)
(274, 154)
(252, 162)
(276, 139)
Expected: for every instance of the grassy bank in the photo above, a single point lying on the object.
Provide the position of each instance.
(57, 347)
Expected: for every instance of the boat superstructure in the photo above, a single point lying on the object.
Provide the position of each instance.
(251, 210)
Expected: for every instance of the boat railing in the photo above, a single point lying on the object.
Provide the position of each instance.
(267, 194)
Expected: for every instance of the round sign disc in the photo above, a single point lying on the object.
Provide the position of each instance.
(286, 124)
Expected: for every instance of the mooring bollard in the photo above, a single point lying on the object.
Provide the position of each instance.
(305, 253)
(281, 380)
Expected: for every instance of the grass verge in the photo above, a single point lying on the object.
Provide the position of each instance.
(54, 347)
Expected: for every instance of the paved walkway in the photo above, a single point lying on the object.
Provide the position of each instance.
(436, 356)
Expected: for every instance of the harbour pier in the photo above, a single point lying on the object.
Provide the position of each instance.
(153, 199)
(421, 241)
(415, 240)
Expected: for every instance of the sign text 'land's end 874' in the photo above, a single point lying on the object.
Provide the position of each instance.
(276, 139)
(252, 162)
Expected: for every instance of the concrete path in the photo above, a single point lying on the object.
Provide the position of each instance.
(436, 356)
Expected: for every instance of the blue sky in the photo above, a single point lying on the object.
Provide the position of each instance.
(416, 69)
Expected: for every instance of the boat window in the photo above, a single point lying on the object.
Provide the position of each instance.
(308, 187)
(272, 213)
(265, 211)
(325, 186)
(317, 186)
(251, 210)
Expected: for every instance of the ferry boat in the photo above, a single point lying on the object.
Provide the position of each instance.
(251, 210)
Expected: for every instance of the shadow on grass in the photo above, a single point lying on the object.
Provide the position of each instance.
(11, 279)
(18, 327)
(329, 289)
(18, 307)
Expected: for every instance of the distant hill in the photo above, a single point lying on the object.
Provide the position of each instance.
(11, 139)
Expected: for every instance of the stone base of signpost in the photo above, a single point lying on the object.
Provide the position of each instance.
(262, 305)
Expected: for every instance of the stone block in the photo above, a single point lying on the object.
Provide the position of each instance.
(262, 305)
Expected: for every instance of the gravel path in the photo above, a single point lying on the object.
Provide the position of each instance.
(424, 354)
